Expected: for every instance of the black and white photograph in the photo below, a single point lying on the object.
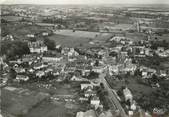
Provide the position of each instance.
(84, 58)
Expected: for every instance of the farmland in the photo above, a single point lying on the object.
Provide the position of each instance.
(39, 99)
(84, 34)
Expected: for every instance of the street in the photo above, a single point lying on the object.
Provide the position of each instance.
(117, 106)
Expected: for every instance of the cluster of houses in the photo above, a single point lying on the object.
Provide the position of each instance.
(89, 95)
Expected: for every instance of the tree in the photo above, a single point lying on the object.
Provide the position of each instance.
(102, 85)
(12, 74)
(50, 44)
(13, 49)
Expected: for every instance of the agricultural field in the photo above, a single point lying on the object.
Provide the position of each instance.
(18, 101)
(12, 18)
(43, 99)
(69, 38)
(20, 31)
(122, 27)
(50, 109)
(84, 34)
(70, 41)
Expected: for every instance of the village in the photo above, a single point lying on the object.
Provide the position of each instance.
(111, 77)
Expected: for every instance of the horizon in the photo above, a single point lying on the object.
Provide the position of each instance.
(85, 2)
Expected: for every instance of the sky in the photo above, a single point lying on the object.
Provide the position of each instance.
(84, 1)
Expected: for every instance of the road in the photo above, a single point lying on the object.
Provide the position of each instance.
(112, 96)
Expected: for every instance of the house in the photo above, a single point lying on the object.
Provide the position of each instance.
(127, 94)
(65, 51)
(148, 52)
(113, 69)
(106, 114)
(117, 38)
(83, 99)
(37, 47)
(89, 92)
(89, 113)
(40, 74)
(45, 33)
(55, 58)
(162, 73)
(20, 70)
(72, 52)
(71, 58)
(30, 35)
(95, 101)
(39, 66)
(86, 85)
(99, 69)
(22, 78)
(8, 37)
(75, 78)
(160, 49)
(147, 72)
(57, 72)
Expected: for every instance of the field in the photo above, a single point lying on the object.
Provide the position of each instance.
(69, 38)
(48, 109)
(122, 27)
(20, 101)
(35, 104)
(132, 83)
(70, 41)
(12, 18)
(136, 36)
(20, 30)
(84, 34)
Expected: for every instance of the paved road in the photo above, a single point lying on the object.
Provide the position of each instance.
(115, 103)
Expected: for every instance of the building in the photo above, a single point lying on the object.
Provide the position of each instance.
(86, 85)
(22, 78)
(40, 74)
(37, 47)
(127, 94)
(95, 101)
(89, 113)
(89, 92)
(52, 58)
(75, 78)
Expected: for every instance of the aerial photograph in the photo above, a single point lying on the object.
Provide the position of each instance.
(84, 58)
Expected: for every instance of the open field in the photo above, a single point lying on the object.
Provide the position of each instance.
(12, 18)
(19, 101)
(69, 41)
(56, 88)
(122, 27)
(69, 38)
(133, 84)
(20, 31)
(84, 34)
(34, 104)
(48, 109)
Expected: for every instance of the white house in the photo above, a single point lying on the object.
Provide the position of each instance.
(30, 35)
(86, 85)
(40, 74)
(95, 101)
(37, 47)
(22, 78)
(54, 59)
(89, 113)
(127, 94)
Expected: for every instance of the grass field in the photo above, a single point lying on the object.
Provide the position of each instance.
(84, 34)
(122, 27)
(48, 109)
(70, 41)
(12, 18)
(20, 101)
(69, 38)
